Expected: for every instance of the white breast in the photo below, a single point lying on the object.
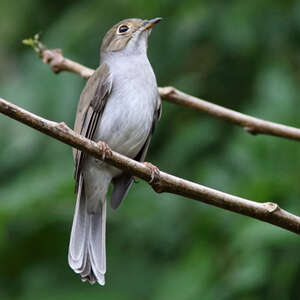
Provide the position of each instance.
(128, 115)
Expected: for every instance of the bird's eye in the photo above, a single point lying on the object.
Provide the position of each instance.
(123, 28)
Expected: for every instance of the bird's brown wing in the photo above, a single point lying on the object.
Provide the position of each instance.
(123, 182)
(90, 108)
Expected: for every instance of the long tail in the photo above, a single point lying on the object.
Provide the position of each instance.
(87, 255)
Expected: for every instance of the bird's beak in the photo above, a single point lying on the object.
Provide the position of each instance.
(150, 23)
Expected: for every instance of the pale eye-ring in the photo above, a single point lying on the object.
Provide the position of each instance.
(123, 28)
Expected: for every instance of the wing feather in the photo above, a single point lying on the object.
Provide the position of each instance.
(90, 108)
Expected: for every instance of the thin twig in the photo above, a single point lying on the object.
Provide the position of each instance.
(162, 182)
(250, 124)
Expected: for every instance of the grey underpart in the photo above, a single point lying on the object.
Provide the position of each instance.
(123, 182)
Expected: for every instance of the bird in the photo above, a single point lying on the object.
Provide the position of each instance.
(120, 106)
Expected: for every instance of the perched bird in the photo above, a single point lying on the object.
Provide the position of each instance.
(120, 106)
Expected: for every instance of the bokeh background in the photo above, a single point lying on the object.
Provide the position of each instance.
(243, 55)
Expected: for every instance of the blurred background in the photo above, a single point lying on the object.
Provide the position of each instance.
(244, 55)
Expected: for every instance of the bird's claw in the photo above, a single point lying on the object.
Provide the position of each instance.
(106, 151)
(153, 169)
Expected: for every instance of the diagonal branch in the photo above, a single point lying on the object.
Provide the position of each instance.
(162, 182)
(252, 125)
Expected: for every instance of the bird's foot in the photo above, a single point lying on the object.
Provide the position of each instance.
(106, 151)
(154, 171)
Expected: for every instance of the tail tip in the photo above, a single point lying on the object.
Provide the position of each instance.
(92, 279)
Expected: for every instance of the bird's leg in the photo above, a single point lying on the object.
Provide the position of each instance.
(106, 151)
(154, 171)
(154, 180)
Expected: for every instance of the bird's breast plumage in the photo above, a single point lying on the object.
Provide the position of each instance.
(128, 115)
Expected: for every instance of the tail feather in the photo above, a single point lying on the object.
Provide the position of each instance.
(97, 241)
(87, 243)
(77, 250)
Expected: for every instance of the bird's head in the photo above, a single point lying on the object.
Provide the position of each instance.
(129, 36)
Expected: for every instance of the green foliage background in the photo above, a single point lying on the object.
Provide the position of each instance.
(240, 54)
